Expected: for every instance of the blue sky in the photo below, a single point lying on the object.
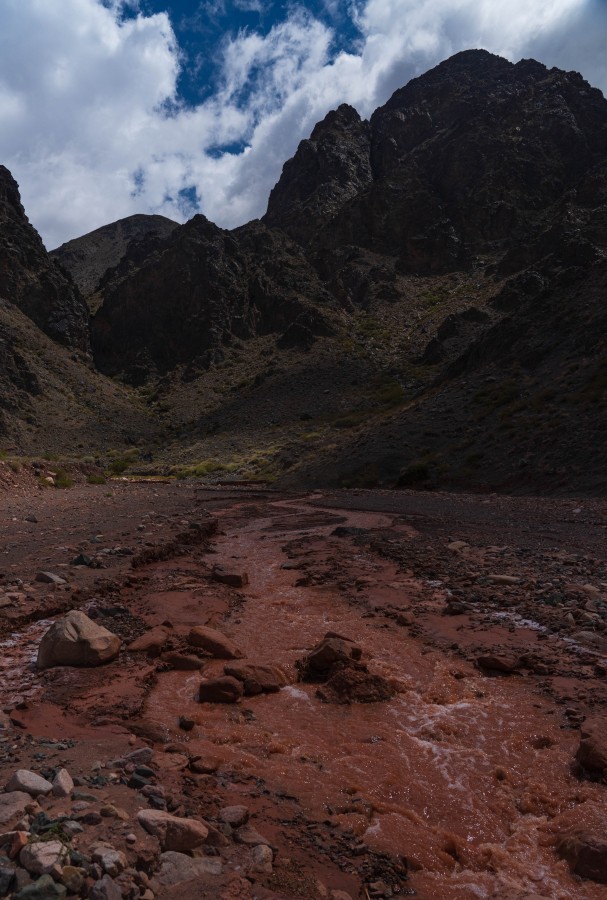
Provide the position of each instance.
(113, 107)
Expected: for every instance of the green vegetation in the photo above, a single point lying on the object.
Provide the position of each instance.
(62, 479)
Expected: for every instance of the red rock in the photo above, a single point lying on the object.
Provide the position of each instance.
(174, 833)
(220, 690)
(354, 684)
(331, 650)
(257, 679)
(586, 852)
(213, 642)
(505, 663)
(234, 579)
(592, 752)
(151, 642)
(183, 662)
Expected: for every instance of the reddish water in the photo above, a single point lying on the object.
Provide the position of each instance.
(462, 774)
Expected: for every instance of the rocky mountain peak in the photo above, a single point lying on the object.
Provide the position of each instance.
(30, 279)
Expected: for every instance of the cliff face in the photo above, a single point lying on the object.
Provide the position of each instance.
(30, 280)
(464, 161)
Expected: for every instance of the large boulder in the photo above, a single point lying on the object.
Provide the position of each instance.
(334, 649)
(75, 640)
(224, 689)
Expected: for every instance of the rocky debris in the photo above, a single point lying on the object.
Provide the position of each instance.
(592, 752)
(233, 579)
(180, 835)
(263, 858)
(29, 783)
(213, 642)
(113, 862)
(256, 678)
(224, 689)
(76, 640)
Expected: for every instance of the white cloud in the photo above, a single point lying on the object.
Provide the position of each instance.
(92, 127)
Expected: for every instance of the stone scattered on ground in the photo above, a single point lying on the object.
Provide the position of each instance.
(256, 678)
(213, 642)
(224, 689)
(592, 751)
(234, 579)
(29, 782)
(174, 833)
(75, 640)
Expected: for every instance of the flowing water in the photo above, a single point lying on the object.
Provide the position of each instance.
(460, 773)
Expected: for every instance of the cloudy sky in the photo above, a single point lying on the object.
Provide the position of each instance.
(111, 107)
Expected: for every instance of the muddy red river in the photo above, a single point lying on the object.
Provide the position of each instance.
(461, 782)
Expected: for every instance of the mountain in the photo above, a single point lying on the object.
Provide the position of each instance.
(31, 281)
(89, 257)
(421, 305)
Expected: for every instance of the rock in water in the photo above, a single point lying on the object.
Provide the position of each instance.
(76, 640)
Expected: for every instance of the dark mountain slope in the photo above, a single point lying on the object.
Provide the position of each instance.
(89, 257)
(31, 281)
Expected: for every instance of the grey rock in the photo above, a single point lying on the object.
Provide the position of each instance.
(177, 867)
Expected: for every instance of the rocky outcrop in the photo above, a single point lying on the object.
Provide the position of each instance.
(197, 292)
(90, 257)
(31, 280)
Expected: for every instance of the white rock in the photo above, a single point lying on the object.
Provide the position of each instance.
(113, 862)
(13, 804)
(32, 784)
(41, 857)
(63, 784)
(178, 867)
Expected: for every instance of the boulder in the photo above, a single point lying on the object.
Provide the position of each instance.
(75, 640)
(585, 849)
(257, 679)
(29, 782)
(183, 662)
(317, 664)
(63, 784)
(174, 833)
(592, 752)
(504, 663)
(41, 857)
(42, 889)
(234, 815)
(105, 889)
(213, 642)
(113, 862)
(220, 690)
(353, 683)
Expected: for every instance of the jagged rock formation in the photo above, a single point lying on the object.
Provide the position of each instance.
(30, 280)
(426, 292)
(89, 257)
(198, 290)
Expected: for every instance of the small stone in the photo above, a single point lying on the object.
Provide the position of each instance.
(45, 888)
(250, 836)
(262, 859)
(186, 723)
(234, 815)
(113, 862)
(505, 663)
(63, 784)
(234, 579)
(49, 578)
(29, 782)
(213, 642)
(73, 878)
(105, 889)
(220, 690)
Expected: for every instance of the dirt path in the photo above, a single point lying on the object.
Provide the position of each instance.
(485, 618)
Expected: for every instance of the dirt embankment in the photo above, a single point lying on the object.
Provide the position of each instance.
(480, 622)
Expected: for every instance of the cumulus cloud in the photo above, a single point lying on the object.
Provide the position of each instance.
(92, 126)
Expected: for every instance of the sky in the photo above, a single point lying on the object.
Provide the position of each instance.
(115, 107)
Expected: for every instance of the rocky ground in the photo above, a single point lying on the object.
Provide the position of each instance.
(352, 694)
